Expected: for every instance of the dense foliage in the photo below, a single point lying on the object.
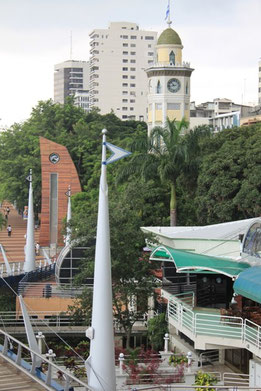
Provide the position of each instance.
(196, 179)
(157, 328)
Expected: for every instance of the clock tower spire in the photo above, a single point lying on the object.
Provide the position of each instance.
(168, 80)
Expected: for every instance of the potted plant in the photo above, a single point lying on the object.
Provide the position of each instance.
(177, 360)
(205, 379)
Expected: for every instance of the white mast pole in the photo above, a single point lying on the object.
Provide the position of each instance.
(69, 216)
(29, 264)
(101, 363)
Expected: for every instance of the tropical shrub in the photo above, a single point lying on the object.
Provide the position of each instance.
(205, 379)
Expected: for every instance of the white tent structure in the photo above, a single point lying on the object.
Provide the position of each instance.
(219, 240)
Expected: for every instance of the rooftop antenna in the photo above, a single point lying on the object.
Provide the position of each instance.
(71, 45)
(168, 14)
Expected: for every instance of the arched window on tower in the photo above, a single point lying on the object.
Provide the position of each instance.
(187, 88)
(172, 58)
(158, 90)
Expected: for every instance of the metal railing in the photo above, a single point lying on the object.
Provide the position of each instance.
(16, 268)
(240, 379)
(40, 319)
(38, 289)
(54, 319)
(19, 354)
(41, 273)
(214, 325)
(208, 357)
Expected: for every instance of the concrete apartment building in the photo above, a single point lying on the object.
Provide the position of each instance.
(72, 78)
(119, 56)
(221, 113)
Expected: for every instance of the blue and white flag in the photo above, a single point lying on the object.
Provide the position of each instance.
(167, 12)
(117, 153)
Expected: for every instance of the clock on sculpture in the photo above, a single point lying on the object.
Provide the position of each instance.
(173, 85)
(54, 158)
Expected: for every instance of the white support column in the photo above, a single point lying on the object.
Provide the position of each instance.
(40, 337)
(69, 216)
(100, 365)
(29, 264)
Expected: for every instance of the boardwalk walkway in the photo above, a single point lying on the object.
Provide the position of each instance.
(14, 245)
(12, 379)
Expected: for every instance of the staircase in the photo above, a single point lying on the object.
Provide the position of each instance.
(14, 245)
(12, 379)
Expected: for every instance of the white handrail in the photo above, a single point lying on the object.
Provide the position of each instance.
(214, 325)
(7, 265)
(18, 360)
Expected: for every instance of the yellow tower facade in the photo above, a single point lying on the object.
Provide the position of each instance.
(168, 82)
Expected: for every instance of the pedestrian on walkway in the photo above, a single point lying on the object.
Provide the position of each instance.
(6, 215)
(7, 210)
(37, 248)
(9, 230)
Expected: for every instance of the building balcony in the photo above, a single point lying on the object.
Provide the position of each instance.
(208, 328)
(170, 65)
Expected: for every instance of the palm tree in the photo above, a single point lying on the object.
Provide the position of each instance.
(163, 152)
(167, 153)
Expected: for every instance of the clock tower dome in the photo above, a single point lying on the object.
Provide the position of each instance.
(168, 82)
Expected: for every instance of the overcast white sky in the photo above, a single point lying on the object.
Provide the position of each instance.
(222, 41)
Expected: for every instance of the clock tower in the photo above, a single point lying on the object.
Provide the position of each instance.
(168, 82)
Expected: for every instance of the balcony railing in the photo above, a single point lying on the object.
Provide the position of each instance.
(197, 322)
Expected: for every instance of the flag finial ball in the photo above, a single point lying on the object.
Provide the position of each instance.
(104, 131)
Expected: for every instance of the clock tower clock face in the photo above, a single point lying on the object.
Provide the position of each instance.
(173, 85)
(54, 158)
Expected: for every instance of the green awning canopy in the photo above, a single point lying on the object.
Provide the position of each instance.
(186, 262)
(248, 284)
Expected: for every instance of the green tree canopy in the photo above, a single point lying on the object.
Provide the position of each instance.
(229, 182)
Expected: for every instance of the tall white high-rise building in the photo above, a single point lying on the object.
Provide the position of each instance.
(71, 78)
(119, 56)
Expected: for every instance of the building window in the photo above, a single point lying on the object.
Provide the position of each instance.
(133, 61)
(124, 69)
(150, 62)
(133, 53)
(172, 58)
(150, 53)
(124, 92)
(133, 69)
(173, 106)
(158, 89)
(132, 100)
(158, 106)
(133, 37)
(124, 84)
(187, 88)
(125, 76)
(124, 117)
(133, 45)
(125, 45)
(133, 77)
(125, 36)
(133, 85)
(131, 108)
(125, 53)
(149, 38)
(149, 45)
(124, 100)
(125, 60)
(124, 108)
